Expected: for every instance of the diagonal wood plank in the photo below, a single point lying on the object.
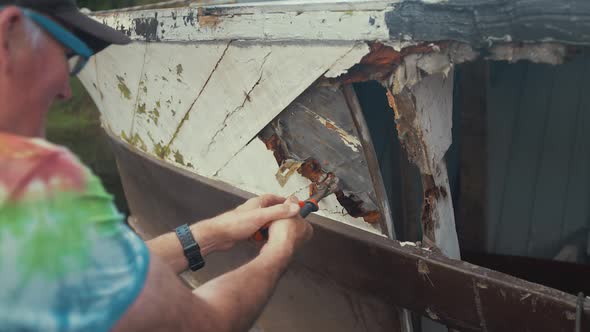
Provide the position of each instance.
(173, 78)
(252, 84)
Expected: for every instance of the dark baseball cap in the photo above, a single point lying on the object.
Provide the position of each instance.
(96, 35)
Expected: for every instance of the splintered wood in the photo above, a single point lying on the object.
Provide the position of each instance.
(423, 113)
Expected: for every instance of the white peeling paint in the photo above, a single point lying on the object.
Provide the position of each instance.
(252, 84)
(348, 60)
(118, 71)
(349, 140)
(169, 83)
(434, 105)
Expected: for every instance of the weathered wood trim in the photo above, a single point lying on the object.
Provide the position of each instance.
(455, 293)
(479, 23)
(423, 113)
(484, 22)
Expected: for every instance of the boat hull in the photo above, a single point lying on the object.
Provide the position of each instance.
(306, 299)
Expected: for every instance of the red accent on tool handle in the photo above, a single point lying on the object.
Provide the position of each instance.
(307, 207)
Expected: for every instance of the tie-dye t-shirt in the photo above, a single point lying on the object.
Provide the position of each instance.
(67, 260)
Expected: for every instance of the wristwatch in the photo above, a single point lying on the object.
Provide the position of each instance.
(191, 248)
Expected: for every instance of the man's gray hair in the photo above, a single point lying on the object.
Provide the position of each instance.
(34, 32)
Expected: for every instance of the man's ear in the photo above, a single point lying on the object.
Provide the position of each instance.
(11, 22)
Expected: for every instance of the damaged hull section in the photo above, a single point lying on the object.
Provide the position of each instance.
(229, 101)
(345, 272)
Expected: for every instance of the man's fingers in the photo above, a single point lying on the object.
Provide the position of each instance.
(261, 201)
(267, 200)
(263, 216)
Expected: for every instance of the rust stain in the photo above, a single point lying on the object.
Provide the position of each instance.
(354, 206)
(331, 126)
(382, 60)
(391, 102)
(404, 107)
(207, 21)
(279, 150)
(312, 170)
(431, 195)
(372, 217)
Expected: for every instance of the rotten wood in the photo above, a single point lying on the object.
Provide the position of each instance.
(458, 294)
(423, 110)
(382, 60)
(317, 135)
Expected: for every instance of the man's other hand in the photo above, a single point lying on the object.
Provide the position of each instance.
(287, 235)
(242, 222)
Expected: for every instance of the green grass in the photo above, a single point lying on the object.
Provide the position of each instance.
(75, 124)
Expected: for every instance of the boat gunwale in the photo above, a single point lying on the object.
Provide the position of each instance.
(253, 7)
(423, 270)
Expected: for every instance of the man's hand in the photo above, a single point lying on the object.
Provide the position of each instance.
(241, 223)
(287, 235)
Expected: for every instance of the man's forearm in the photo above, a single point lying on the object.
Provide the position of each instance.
(168, 247)
(238, 297)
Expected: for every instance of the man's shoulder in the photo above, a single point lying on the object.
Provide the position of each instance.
(30, 167)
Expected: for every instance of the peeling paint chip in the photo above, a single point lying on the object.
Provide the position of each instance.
(288, 168)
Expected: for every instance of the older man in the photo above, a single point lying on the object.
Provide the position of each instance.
(67, 260)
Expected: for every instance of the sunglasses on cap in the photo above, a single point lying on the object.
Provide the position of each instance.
(77, 52)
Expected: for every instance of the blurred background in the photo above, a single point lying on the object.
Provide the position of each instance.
(76, 123)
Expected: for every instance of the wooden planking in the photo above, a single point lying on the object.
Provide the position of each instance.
(576, 214)
(538, 171)
(524, 154)
(470, 126)
(253, 169)
(501, 113)
(251, 85)
(119, 69)
(553, 174)
(173, 77)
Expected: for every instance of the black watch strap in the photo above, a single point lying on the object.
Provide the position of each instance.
(191, 248)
